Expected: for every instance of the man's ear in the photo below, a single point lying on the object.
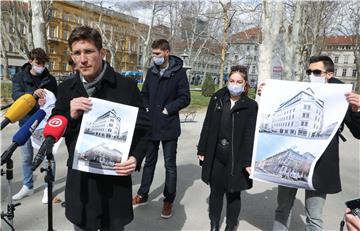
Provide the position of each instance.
(329, 75)
(103, 53)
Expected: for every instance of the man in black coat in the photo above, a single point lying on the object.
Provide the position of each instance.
(165, 93)
(33, 78)
(96, 201)
(326, 177)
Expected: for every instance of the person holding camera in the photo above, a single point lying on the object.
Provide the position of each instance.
(352, 222)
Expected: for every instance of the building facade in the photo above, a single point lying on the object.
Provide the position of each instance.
(302, 115)
(106, 126)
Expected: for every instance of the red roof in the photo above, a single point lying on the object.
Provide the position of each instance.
(339, 40)
(249, 35)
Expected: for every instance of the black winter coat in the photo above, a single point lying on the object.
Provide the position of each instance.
(243, 118)
(326, 177)
(23, 83)
(170, 91)
(93, 200)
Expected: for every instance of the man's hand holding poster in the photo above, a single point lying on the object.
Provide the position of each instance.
(295, 123)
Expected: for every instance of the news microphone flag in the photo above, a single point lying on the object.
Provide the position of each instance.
(53, 131)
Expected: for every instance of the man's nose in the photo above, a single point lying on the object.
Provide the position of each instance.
(83, 58)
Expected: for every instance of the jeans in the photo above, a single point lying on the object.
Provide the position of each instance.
(27, 153)
(217, 191)
(169, 147)
(314, 204)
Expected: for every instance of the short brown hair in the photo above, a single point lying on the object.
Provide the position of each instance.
(85, 33)
(39, 54)
(243, 70)
(161, 44)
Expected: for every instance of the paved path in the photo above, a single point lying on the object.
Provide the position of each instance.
(190, 209)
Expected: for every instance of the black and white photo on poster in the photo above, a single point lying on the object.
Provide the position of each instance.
(295, 123)
(105, 137)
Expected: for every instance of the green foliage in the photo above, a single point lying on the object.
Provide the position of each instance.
(208, 87)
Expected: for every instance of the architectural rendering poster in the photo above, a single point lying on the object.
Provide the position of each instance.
(295, 123)
(105, 137)
(37, 138)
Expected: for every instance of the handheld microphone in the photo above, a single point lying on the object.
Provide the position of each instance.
(20, 108)
(53, 131)
(23, 134)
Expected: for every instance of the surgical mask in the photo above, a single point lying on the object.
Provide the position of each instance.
(38, 70)
(159, 60)
(317, 79)
(235, 90)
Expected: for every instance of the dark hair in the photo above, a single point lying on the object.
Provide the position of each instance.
(161, 44)
(326, 60)
(39, 54)
(85, 33)
(71, 62)
(243, 70)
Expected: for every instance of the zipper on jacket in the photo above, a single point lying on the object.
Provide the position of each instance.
(232, 146)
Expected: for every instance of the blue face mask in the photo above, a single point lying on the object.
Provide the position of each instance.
(235, 90)
(159, 60)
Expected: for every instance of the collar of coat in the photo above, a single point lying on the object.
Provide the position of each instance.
(223, 94)
(109, 76)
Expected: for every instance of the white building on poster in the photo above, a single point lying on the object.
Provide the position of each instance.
(106, 126)
(302, 115)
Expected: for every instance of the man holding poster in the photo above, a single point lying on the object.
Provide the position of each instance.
(325, 177)
(95, 201)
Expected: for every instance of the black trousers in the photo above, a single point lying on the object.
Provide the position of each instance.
(218, 188)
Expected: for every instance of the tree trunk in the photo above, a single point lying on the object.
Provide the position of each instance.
(271, 19)
(38, 25)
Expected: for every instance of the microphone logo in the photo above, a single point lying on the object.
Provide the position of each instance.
(55, 122)
(34, 126)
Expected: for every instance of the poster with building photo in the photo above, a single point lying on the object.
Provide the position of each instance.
(295, 123)
(105, 137)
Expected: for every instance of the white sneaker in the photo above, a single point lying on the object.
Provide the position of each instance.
(44, 200)
(24, 192)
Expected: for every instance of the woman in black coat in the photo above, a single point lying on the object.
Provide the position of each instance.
(225, 146)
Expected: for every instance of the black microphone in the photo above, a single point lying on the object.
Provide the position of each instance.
(53, 131)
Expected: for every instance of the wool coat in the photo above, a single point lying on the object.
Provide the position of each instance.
(94, 200)
(243, 122)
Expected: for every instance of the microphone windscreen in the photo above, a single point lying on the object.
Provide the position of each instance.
(29, 127)
(20, 108)
(55, 127)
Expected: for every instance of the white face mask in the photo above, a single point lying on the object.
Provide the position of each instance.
(315, 79)
(235, 90)
(159, 60)
(38, 70)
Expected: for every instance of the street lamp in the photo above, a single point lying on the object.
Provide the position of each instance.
(185, 57)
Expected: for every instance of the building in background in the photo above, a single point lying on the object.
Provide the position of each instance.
(341, 51)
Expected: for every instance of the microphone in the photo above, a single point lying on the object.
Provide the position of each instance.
(53, 131)
(23, 134)
(20, 108)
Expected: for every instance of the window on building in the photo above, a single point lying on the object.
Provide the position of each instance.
(255, 58)
(51, 65)
(52, 31)
(346, 59)
(253, 70)
(256, 47)
(247, 48)
(336, 59)
(335, 71)
(354, 60)
(65, 34)
(52, 50)
(354, 72)
(64, 66)
(343, 72)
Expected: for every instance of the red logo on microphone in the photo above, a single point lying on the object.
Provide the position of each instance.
(55, 122)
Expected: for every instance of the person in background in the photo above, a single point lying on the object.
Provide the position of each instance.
(33, 78)
(225, 147)
(165, 92)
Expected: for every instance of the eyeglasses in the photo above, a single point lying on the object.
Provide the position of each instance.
(316, 72)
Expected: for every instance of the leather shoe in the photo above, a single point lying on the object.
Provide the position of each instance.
(230, 228)
(214, 226)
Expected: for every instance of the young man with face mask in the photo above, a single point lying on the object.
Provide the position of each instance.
(326, 178)
(165, 92)
(33, 78)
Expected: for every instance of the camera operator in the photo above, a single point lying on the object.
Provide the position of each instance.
(352, 221)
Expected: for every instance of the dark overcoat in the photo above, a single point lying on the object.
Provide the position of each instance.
(93, 200)
(326, 177)
(170, 91)
(243, 121)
